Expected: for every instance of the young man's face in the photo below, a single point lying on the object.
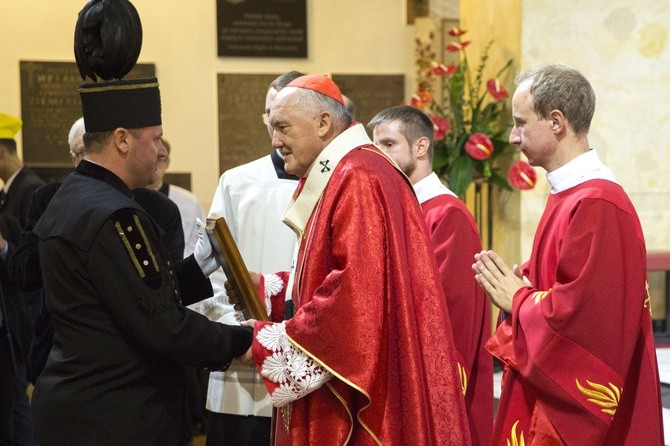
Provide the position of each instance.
(532, 133)
(388, 137)
(296, 131)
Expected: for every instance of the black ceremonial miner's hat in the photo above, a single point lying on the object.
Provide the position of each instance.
(107, 43)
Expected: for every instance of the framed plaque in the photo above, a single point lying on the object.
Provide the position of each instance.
(262, 28)
(231, 261)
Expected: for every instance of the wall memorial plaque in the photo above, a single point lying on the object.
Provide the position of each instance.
(371, 93)
(49, 106)
(262, 28)
(242, 135)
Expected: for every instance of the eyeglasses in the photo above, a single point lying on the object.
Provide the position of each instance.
(265, 118)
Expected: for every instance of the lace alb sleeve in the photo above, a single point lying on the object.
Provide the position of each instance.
(296, 373)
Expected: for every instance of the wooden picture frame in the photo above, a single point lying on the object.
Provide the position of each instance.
(230, 259)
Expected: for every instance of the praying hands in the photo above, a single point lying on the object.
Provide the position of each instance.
(499, 281)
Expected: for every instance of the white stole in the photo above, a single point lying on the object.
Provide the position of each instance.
(300, 208)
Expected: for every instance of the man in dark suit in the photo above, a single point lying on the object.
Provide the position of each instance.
(20, 182)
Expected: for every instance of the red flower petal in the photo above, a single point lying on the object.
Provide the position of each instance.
(455, 47)
(441, 69)
(479, 146)
(496, 90)
(440, 127)
(456, 31)
(522, 176)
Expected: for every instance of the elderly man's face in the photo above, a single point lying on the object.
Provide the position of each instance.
(295, 131)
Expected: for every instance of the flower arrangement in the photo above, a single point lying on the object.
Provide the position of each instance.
(469, 116)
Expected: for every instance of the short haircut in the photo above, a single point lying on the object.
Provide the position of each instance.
(284, 79)
(9, 145)
(414, 124)
(319, 102)
(561, 87)
(76, 130)
(94, 142)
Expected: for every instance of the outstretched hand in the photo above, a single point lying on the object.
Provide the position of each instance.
(247, 358)
(498, 281)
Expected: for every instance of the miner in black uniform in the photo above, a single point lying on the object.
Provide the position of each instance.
(115, 373)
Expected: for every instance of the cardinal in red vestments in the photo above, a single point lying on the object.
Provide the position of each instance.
(368, 357)
(577, 341)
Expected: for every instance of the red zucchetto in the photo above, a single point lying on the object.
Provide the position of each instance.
(319, 83)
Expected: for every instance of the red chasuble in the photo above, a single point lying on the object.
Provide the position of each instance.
(578, 347)
(455, 238)
(371, 313)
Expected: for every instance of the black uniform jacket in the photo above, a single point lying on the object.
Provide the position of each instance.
(115, 373)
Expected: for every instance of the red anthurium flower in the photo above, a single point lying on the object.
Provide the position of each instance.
(456, 31)
(440, 127)
(479, 146)
(496, 90)
(455, 47)
(441, 69)
(522, 176)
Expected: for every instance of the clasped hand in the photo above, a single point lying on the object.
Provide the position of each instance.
(498, 281)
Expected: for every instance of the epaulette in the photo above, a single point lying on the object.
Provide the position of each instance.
(136, 241)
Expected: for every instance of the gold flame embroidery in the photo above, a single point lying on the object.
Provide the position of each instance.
(514, 440)
(462, 374)
(603, 396)
(537, 296)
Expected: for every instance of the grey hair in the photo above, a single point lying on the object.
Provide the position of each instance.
(76, 130)
(318, 102)
(561, 87)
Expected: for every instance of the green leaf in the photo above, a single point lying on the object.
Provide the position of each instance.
(500, 181)
(460, 175)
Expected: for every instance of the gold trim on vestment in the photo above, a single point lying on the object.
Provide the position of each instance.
(337, 395)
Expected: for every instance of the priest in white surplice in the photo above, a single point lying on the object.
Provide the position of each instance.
(252, 199)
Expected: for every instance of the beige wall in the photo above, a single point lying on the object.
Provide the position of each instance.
(622, 47)
(346, 36)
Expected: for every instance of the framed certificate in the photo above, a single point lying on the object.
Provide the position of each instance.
(231, 261)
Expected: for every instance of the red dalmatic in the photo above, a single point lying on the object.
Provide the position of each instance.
(578, 347)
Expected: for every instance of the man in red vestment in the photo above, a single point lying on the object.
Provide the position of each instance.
(406, 134)
(368, 358)
(577, 341)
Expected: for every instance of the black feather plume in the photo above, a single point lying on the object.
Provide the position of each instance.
(107, 39)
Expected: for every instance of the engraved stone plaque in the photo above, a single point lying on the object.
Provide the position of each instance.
(262, 28)
(242, 135)
(49, 106)
(371, 93)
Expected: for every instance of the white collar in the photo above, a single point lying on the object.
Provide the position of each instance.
(584, 167)
(430, 187)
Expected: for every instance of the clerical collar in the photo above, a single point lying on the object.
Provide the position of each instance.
(585, 167)
(430, 187)
(278, 162)
(91, 169)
